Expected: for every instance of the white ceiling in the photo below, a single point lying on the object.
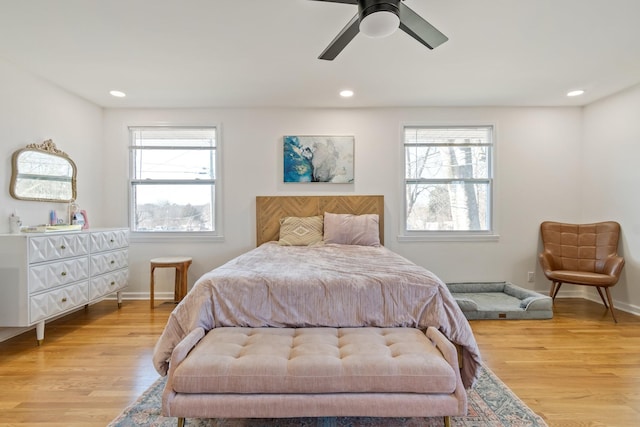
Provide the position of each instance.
(263, 53)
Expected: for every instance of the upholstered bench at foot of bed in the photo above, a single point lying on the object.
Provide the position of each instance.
(240, 372)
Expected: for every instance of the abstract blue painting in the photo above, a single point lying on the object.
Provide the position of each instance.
(318, 159)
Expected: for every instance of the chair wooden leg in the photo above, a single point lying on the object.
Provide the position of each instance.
(555, 288)
(181, 422)
(604, 301)
(447, 421)
(611, 304)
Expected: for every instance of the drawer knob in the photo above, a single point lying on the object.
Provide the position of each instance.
(63, 247)
(113, 283)
(64, 299)
(64, 273)
(113, 262)
(112, 240)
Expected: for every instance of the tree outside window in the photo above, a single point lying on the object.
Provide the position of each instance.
(448, 178)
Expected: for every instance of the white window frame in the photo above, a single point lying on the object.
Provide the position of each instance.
(450, 235)
(215, 235)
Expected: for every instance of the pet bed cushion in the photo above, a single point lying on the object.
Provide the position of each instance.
(500, 300)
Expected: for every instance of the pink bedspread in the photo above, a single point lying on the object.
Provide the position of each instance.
(327, 285)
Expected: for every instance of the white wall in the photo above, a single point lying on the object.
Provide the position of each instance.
(537, 178)
(610, 180)
(32, 111)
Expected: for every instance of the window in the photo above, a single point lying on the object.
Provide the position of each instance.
(173, 179)
(448, 179)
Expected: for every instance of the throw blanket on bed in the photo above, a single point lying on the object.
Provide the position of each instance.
(326, 285)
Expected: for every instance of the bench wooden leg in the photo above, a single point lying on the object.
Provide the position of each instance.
(181, 422)
(447, 421)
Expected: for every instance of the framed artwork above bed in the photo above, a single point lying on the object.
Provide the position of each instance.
(318, 159)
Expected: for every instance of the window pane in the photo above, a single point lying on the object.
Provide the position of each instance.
(452, 162)
(173, 207)
(467, 135)
(460, 206)
(173, 137)
(173, 164)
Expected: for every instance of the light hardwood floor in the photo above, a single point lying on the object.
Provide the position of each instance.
(578, 369)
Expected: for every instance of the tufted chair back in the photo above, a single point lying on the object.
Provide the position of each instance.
(580, 247)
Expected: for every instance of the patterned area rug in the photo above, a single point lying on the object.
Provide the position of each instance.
(491, 403)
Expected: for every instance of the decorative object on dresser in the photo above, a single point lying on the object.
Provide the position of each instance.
(45, 275)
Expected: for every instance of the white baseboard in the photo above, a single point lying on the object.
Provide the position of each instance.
(135, 296)
(618, 305)
(592, 295)
(8, 333)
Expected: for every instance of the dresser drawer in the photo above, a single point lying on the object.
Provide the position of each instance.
(108, 283)
(59, 246)
(109, 261)
(58, 301)
(109, 240)
(52, 275)
(46, 275)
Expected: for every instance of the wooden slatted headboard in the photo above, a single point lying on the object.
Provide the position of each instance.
(269, 210)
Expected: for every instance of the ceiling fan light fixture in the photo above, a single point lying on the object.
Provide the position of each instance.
(379, 20)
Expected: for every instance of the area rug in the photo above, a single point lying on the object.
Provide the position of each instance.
(491, 403)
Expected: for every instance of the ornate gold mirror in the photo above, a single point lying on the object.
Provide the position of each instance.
(42, 172)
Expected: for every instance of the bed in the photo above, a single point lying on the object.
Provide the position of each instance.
(348, 279)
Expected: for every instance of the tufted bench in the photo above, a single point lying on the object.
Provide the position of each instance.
(236, 372)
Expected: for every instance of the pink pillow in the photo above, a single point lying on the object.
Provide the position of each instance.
(348, 229)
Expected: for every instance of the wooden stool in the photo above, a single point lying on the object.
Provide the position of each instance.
(181, 264)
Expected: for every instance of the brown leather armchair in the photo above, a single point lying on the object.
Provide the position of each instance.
(582, 254)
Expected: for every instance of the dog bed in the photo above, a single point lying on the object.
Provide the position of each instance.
(500, 300)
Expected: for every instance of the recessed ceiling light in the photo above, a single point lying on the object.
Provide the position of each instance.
(118, 94)
(346, 93)
(575, 92)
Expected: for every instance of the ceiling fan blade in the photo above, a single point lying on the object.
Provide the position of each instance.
(341, 1)
(342, 40)
(414, 25)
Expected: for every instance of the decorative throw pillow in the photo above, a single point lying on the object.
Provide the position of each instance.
(348, 229)
(300, 231)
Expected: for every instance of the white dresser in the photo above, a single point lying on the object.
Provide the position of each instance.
(44, 275)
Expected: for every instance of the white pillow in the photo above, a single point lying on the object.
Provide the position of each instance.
(348, 229)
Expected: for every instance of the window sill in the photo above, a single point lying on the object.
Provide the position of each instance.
(171, 237)
(449, 237)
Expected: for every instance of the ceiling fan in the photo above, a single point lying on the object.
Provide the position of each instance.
(380, 18)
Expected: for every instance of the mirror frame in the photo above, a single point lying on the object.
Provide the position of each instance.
(47, 147)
